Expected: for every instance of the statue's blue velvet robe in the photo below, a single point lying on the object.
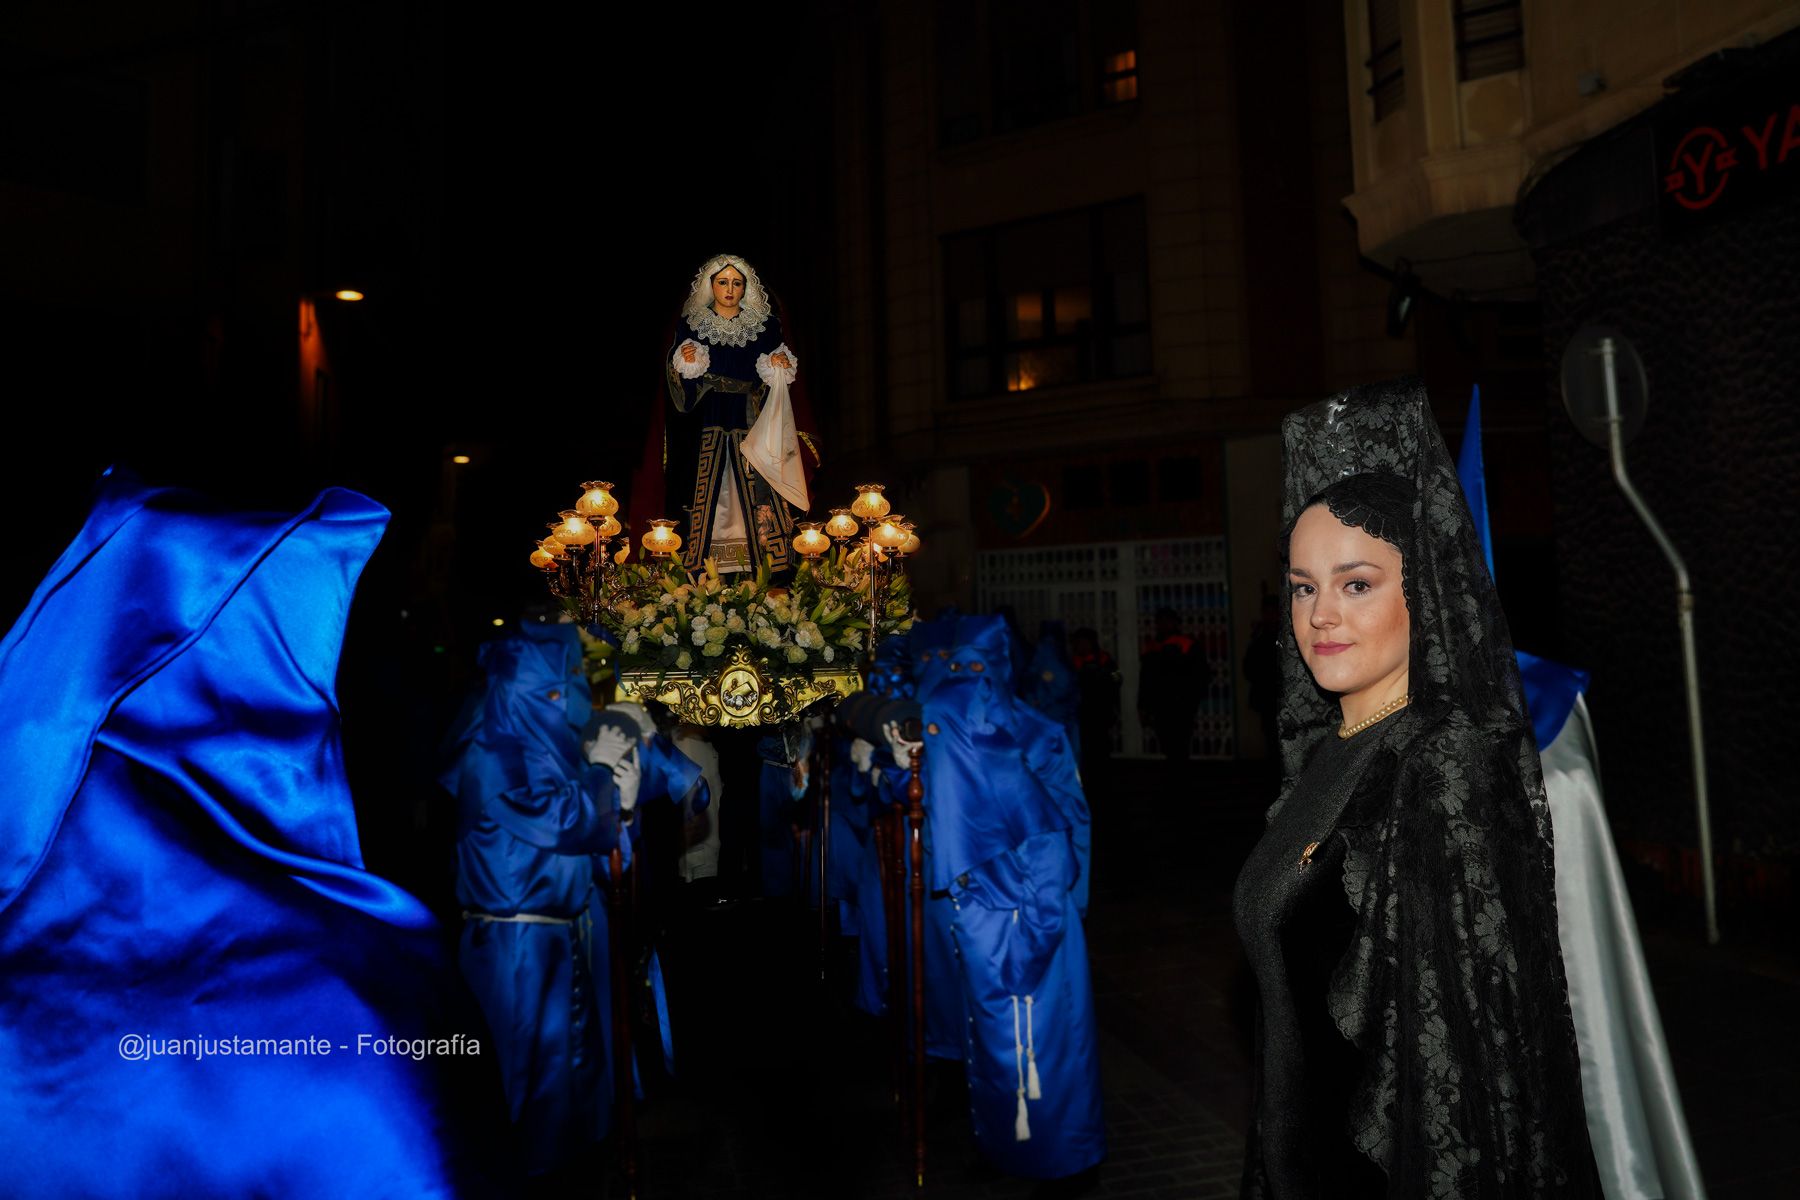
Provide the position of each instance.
(704, 431)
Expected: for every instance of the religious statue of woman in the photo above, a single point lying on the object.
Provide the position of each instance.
(731, 452)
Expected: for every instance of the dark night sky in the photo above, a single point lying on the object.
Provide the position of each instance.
(525, 197)
(524, 194)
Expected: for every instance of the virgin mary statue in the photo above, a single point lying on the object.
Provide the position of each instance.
(730, 448)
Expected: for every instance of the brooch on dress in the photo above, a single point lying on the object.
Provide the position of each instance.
(1306, 856)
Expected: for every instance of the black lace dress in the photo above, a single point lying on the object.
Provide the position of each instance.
(1296, 926)
(1462, 1081)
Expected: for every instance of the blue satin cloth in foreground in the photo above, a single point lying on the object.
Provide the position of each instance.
(179, 860)
(1634, 1113)
(1551, 690)
(1002, 849)
(534, 817)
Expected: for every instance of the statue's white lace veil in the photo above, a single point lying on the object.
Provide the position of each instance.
(753, 316)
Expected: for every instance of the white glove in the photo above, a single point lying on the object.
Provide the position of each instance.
(862, 755)
(901, 748)
(626, 777)
(609, 746)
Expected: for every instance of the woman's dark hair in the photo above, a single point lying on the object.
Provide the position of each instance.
(1378, 503)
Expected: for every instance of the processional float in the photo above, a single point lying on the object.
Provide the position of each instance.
(732, 652)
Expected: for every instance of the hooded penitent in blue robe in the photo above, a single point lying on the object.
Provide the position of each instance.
(179, 860)
(855, 792)
(1049, 684)
(1001, 848)
(534, 816)
(946, 1016)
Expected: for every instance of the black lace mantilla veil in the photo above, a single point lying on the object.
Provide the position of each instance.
(1452, 988)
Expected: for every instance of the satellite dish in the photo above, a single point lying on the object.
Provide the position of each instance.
(1584, 385)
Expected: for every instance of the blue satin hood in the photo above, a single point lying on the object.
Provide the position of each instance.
(955, 647)
(179, 863)
(246, 720)
(1049, 684)
(892, 675)
(983, 796)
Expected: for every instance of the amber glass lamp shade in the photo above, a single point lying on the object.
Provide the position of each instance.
(597, 500)
(661, 540)
(842, 525)
(910, 546)
(810, 542)
(870, 504)
(542, 558)
(552, 547)
(890, 535)
(573, 529)
(609, 526)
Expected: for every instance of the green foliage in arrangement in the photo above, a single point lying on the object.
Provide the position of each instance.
(669, 621)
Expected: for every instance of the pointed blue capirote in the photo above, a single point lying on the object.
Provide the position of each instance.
(1473, 473)
(199, 981)
(1550, 687)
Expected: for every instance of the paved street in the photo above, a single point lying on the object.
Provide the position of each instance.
(784, 1091)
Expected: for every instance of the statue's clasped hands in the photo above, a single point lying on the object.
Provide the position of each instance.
(689, 353)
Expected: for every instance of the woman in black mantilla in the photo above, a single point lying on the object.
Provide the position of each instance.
(1399, 913)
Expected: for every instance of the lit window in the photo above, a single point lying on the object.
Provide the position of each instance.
(1059, 300)
(1118, 78)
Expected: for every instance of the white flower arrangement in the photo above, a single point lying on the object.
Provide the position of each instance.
(668, 615)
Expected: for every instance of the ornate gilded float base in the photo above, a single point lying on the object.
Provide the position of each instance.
(739, 693)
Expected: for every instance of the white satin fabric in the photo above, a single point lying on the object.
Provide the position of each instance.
(772, 446)
(1634, 1112)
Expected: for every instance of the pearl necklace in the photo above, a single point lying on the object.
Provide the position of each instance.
(1386, 710)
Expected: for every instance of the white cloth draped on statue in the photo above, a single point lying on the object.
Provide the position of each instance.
(1635, 1120)
(772, 446)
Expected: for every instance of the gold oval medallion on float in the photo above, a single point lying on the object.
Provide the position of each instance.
(740, 692)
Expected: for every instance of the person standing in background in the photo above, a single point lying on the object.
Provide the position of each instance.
(1097, 679)
(1168, 688)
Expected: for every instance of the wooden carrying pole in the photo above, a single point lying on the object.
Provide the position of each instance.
(822, 773)
(915, 816)
(625, 1095)
(887, 852)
